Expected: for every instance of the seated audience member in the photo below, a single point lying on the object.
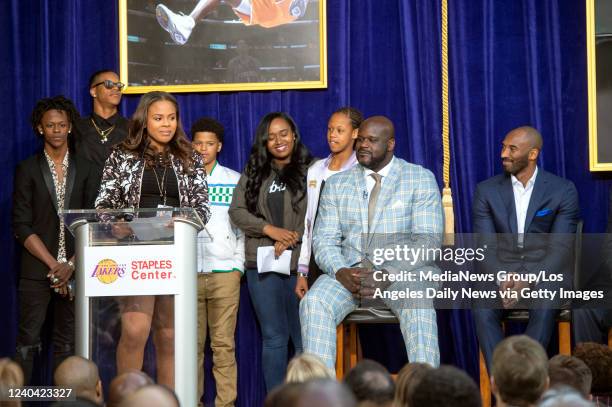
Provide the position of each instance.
(407, 380)
(519, 375)
(284, 395)
(325, 393)
(564, 396)
(11, 376)
(125, 384)
(599, 359)
(446, 386)
(153, 395)
(75, 403)
(569, 371)
(82, 376)
(306, 367)
(371, 384)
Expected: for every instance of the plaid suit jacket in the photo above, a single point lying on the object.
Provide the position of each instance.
(409, 202)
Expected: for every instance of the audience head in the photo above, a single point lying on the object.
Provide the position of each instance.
(407, 380)
(207, 138)
(153, 395)
(563, 396)
(125, 384)
(598, 358)
(375, 142)
(520, 150)
(285, 395)
(519, 375)
(342, 129)
(105, 88)
(570, 371)
(324, 393)
(11, 376)
(305, 367)
(81, 375)
(446, 386)
(370, 381)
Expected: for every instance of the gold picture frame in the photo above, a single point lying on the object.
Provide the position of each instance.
(599, 95)
(287, 55)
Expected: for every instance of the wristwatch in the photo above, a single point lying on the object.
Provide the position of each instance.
(302, 274)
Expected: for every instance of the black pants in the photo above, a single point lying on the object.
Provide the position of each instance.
(35, 300)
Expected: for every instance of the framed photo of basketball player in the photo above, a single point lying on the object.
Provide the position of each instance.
(222, 45)
(599, 53)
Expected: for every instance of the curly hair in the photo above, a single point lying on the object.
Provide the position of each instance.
(60, 103)
(259, 165)
(598, 358)
(138, 141)
(210, 125)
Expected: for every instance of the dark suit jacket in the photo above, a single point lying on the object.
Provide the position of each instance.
(553, 210)
(35, 206)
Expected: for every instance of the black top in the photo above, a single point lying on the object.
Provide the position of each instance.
(276, 202)
(150, 194)
(89, 143)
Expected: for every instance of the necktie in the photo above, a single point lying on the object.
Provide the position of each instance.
(373, 198)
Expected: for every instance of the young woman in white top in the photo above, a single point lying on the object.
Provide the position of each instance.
(342, 131)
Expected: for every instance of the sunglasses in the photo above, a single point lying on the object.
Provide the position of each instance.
(108, 84)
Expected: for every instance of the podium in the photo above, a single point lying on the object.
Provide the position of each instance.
(139, 252)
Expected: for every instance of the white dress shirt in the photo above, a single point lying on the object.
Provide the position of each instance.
(370, 182)
(522, 196)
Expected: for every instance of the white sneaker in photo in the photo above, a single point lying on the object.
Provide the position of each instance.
(178, 25)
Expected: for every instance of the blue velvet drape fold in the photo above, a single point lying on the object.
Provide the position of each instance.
(512, 62)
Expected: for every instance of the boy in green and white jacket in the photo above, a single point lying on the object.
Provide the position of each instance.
(220, 266)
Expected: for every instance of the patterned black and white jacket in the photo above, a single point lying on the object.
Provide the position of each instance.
(122, 182)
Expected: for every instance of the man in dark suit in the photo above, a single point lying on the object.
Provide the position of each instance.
(527, 217)
(45, 184)
(593, 320)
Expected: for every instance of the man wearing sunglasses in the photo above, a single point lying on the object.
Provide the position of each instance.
(105, 127)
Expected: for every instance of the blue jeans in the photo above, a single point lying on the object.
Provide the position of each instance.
(277, 310)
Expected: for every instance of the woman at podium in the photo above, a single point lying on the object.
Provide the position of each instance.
(46, 183)
(155, 167)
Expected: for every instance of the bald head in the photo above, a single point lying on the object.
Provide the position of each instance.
(375, 142)
(151, 396)
(125, 384)
(520, 150)
(381, 124)
(530, 136)
(81, 375)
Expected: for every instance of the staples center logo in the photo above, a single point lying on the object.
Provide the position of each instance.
(108, 271)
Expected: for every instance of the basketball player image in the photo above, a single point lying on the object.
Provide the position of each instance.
(265, 13)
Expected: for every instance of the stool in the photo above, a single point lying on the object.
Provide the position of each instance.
(348, 349)
(565, 348)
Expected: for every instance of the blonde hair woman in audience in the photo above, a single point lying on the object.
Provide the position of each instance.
(307, 367)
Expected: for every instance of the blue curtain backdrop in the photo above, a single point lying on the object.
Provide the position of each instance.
(512, 62)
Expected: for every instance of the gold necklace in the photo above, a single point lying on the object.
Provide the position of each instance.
(103, 133)
(161, 186)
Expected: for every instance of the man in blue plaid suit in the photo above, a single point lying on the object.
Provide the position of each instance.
(406, 201)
